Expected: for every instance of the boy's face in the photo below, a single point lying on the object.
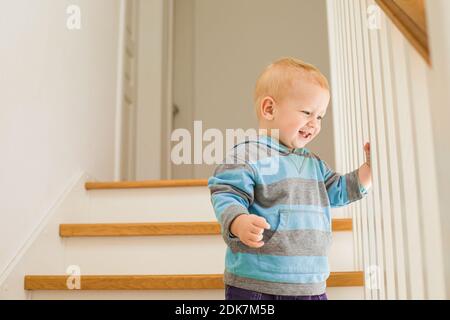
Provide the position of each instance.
(298, 116)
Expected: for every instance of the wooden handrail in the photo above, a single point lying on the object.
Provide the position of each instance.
(146, 184)
(410, 17)
(159, 229)
(158, 282)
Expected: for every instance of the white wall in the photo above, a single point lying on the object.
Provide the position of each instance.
(438, 12)
(57, 107)
(383, 96)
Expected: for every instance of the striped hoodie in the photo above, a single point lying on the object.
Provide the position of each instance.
(294, 190)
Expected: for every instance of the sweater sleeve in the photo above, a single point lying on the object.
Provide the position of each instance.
(342, 189)
(231, 188)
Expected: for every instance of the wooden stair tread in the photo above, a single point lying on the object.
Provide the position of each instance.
(158, 282)
(146, 184)
(159, 229)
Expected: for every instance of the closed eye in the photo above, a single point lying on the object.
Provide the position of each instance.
(308, 113)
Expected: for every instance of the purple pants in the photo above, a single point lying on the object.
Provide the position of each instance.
(235, 293)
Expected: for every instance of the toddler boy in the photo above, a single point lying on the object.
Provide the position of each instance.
(277, 223)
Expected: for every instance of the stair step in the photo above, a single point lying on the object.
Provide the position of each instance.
(158, 282)
(146, 184)
(159, 229)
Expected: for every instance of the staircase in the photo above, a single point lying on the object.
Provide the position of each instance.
(160, 240)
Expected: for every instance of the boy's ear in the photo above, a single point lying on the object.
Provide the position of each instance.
(268, 109)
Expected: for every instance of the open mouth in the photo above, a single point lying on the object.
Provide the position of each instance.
(305, 134)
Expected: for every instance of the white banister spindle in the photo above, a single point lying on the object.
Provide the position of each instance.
(362, 96)
(386, 212)
(380, 94)
(361, 104)
(357, 143)
(353, 136)
(392, 150)
(377, 167)
(405, 166)
(412, 195)
(426, 184)
(359, 136)
(367, 109)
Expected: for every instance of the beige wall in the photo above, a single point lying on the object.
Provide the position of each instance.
(439, 83)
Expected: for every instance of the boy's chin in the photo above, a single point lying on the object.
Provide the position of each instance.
(300, 144)
(296, 143)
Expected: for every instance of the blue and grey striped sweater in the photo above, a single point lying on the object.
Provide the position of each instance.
(294, 191)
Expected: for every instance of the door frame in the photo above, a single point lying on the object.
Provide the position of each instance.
(167, 88)
(119, 93)
(125, 142)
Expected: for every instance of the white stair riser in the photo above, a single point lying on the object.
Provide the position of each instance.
(171, 254)
(348, 293)
(150, 205)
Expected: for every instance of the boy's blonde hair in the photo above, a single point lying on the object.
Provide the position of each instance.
(276, 79)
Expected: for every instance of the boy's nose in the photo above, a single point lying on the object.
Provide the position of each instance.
(313, 123)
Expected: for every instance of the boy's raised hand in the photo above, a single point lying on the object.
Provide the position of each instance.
(249, 228)
(365, 171)
(367, 153)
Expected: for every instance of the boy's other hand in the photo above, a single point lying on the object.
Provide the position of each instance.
(249, 228)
